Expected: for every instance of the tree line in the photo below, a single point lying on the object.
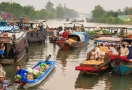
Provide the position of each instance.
(100, 15)
(16, 11)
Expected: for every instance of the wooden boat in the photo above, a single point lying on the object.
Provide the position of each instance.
(75, 40)
(34, 82)
(15, 42)
(34, 35)
(91, 66)
(122, 65)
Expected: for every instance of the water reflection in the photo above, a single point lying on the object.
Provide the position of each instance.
(117, 82)
(87, 81)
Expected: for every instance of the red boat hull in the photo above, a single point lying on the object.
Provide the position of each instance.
(91, 68)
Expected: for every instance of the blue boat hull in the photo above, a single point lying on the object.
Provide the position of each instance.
(123, 70)
(31, 83)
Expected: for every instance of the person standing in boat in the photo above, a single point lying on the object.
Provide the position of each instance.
(21, 72)
(97, 52)
(2, 49)
(65, 35)
(124, 51)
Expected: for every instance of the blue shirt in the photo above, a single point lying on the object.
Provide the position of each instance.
(22, 73)
(4, 84)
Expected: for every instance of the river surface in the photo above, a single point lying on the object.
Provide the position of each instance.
(64, 76)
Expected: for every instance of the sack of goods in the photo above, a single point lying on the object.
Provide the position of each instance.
(17, 78)
(71, 41)
(92, 53)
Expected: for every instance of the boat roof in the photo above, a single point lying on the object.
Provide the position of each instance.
(108, 39)
(8, 28)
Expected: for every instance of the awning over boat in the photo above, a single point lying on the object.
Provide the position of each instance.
(108, 39)
(8, 28)
(127, 39)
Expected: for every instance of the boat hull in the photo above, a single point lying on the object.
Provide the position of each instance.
(66, 46)
(91, 69)
(36, 37)
(123, 70)
(53, 39)
(32, 83)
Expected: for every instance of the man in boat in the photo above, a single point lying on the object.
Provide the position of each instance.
(21, 72)
(3, 83)
(65, 34)
(124, 51)
(112, 50)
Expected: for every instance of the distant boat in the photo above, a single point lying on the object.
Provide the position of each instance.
(34, 35)
(75, 40)
(67, 19)
(77, 20)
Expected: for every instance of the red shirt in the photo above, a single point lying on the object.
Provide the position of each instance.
(65, 35)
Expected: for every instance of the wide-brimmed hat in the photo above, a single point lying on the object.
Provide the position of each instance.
(2, 73)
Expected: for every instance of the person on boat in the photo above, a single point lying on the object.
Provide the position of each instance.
(111, 50)
(3, 83)
(128, 44)
(124, 51)
(2, 49)
(21, 72)
(74, 27)
(97, 52)
(54, 32)
(65, 35)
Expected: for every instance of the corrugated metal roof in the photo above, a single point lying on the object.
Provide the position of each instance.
(8, 28)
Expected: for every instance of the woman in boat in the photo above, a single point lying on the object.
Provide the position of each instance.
(124, 51)
(2, 49)
(21, 72)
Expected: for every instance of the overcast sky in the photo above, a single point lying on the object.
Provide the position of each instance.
(85, 6)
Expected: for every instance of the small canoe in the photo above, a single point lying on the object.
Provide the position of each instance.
(32, 83)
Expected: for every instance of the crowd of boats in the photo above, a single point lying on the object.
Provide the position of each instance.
(15, 39)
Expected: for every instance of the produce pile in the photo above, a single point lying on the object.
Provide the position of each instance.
(71, 41)
(128, 35)
(94, 32)
(34, 73)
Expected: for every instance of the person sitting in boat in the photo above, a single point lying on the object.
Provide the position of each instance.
(3, 83)
(65, 35)
(124, 51)
(111, 50)
(2, 49)
(128, 44)
(20, 73)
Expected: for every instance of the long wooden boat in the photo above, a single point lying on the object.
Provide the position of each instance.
(122, 65)
(75, 40)
(92, 66)
(15, 42)
(34, 35)
(34, 82)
